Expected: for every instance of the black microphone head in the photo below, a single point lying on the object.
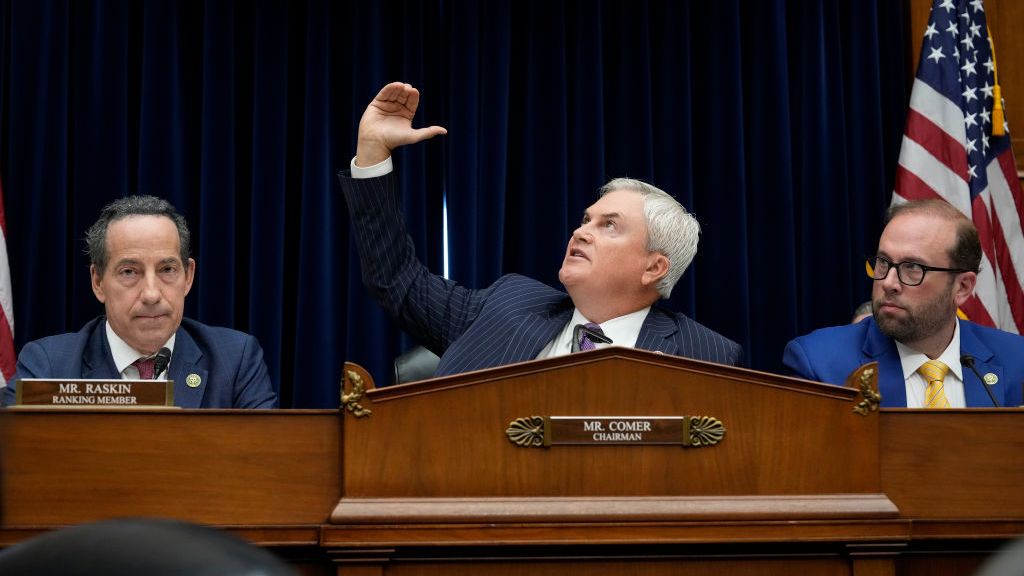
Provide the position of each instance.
(160, 361)
(967, 360)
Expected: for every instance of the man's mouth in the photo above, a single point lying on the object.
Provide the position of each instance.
(577, 253)
(889, 306)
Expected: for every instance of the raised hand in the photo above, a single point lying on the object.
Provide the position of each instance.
(387, 124)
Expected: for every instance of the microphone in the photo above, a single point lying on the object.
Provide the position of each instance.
(592, 335)
(160, 362)
(968, 360)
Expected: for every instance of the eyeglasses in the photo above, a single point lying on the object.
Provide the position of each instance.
(908, 273)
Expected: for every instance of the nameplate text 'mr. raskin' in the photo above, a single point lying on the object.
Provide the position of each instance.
(87, 393)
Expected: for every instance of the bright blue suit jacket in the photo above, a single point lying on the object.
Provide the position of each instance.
(510, 321)
(229, 364)
(831, 354)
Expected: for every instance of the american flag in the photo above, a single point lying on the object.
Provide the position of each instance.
(956, 147)
(7, 357)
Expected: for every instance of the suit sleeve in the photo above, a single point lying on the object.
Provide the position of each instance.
(434, 310)
(252, 387)
(32, 363)
(795, 358)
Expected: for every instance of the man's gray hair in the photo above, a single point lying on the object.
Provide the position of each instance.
(96, 236)
(671, 230)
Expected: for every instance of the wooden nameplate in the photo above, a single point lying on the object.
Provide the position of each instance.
(89, 393)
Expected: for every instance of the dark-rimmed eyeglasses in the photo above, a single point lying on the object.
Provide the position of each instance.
(908, 273)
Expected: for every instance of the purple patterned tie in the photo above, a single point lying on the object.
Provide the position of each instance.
(145, 366)
(585, 342)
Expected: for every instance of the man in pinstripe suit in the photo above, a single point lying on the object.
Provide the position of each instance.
(628, 252)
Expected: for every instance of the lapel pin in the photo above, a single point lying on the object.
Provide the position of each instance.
(991, 379)
(193, 380)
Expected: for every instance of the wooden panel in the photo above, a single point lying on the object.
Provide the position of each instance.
(971, 458)
(446, 437)
(611, 532)
(274, 469)
(650, 567)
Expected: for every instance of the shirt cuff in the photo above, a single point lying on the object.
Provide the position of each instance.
(380, 169)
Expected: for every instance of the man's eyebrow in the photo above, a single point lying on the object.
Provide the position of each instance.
(123, 261)
(606, 215)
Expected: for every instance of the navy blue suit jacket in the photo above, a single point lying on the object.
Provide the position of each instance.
(228, 362)
(510, 321)
(831, 354)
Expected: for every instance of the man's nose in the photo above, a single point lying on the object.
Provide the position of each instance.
(891, 282)
(150, 288)
(581, 234)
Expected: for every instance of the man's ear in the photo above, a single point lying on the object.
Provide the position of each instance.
(97, 288)
(963, 287)
(190, 274)
(657, 267)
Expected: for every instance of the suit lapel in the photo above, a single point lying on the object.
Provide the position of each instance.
(880, 348)
(535, 331)
(97, 361)
(185, 362)
(656, 334)
(985, 362)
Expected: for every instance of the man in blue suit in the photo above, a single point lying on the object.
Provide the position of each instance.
(925, 268)
(628, 253)
(141, 272)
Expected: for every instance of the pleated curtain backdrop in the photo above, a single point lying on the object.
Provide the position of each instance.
(776, 122)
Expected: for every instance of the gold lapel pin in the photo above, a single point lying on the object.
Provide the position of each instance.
(193, 380)
(990, 379)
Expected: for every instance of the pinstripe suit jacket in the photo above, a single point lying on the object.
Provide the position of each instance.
(229, 364)
(510, 321)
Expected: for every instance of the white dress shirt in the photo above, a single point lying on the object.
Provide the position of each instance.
(953, 386)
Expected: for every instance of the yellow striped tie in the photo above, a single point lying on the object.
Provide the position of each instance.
(935, 373)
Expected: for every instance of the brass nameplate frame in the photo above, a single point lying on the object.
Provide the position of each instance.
(89, 393)
(546, 431)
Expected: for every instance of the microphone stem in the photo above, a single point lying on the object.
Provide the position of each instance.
(970, 364)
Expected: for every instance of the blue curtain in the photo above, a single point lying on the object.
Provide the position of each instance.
(777, 122)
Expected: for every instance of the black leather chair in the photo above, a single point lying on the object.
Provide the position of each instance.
(140, 547)
(416, 363)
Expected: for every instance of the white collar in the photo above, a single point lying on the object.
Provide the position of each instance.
(911, 359)
(123, 354)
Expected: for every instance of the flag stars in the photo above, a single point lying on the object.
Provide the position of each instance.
(936, 54)
(989, 65)
(987, 89)
(948, 5)
(952, 28)
(971, 145)
(969, 94)
(931, 31)
(968, 67)
(968, 42)
(978, 6)
(972, 171)
(984, 142)
(976, 30)
(969, 120)
(986, 117)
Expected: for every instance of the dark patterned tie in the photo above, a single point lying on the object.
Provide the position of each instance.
(585, 342)
(145, 366)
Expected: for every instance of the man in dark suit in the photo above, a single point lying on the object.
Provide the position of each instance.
(925, 268)
(629, 251)
(141, 272)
